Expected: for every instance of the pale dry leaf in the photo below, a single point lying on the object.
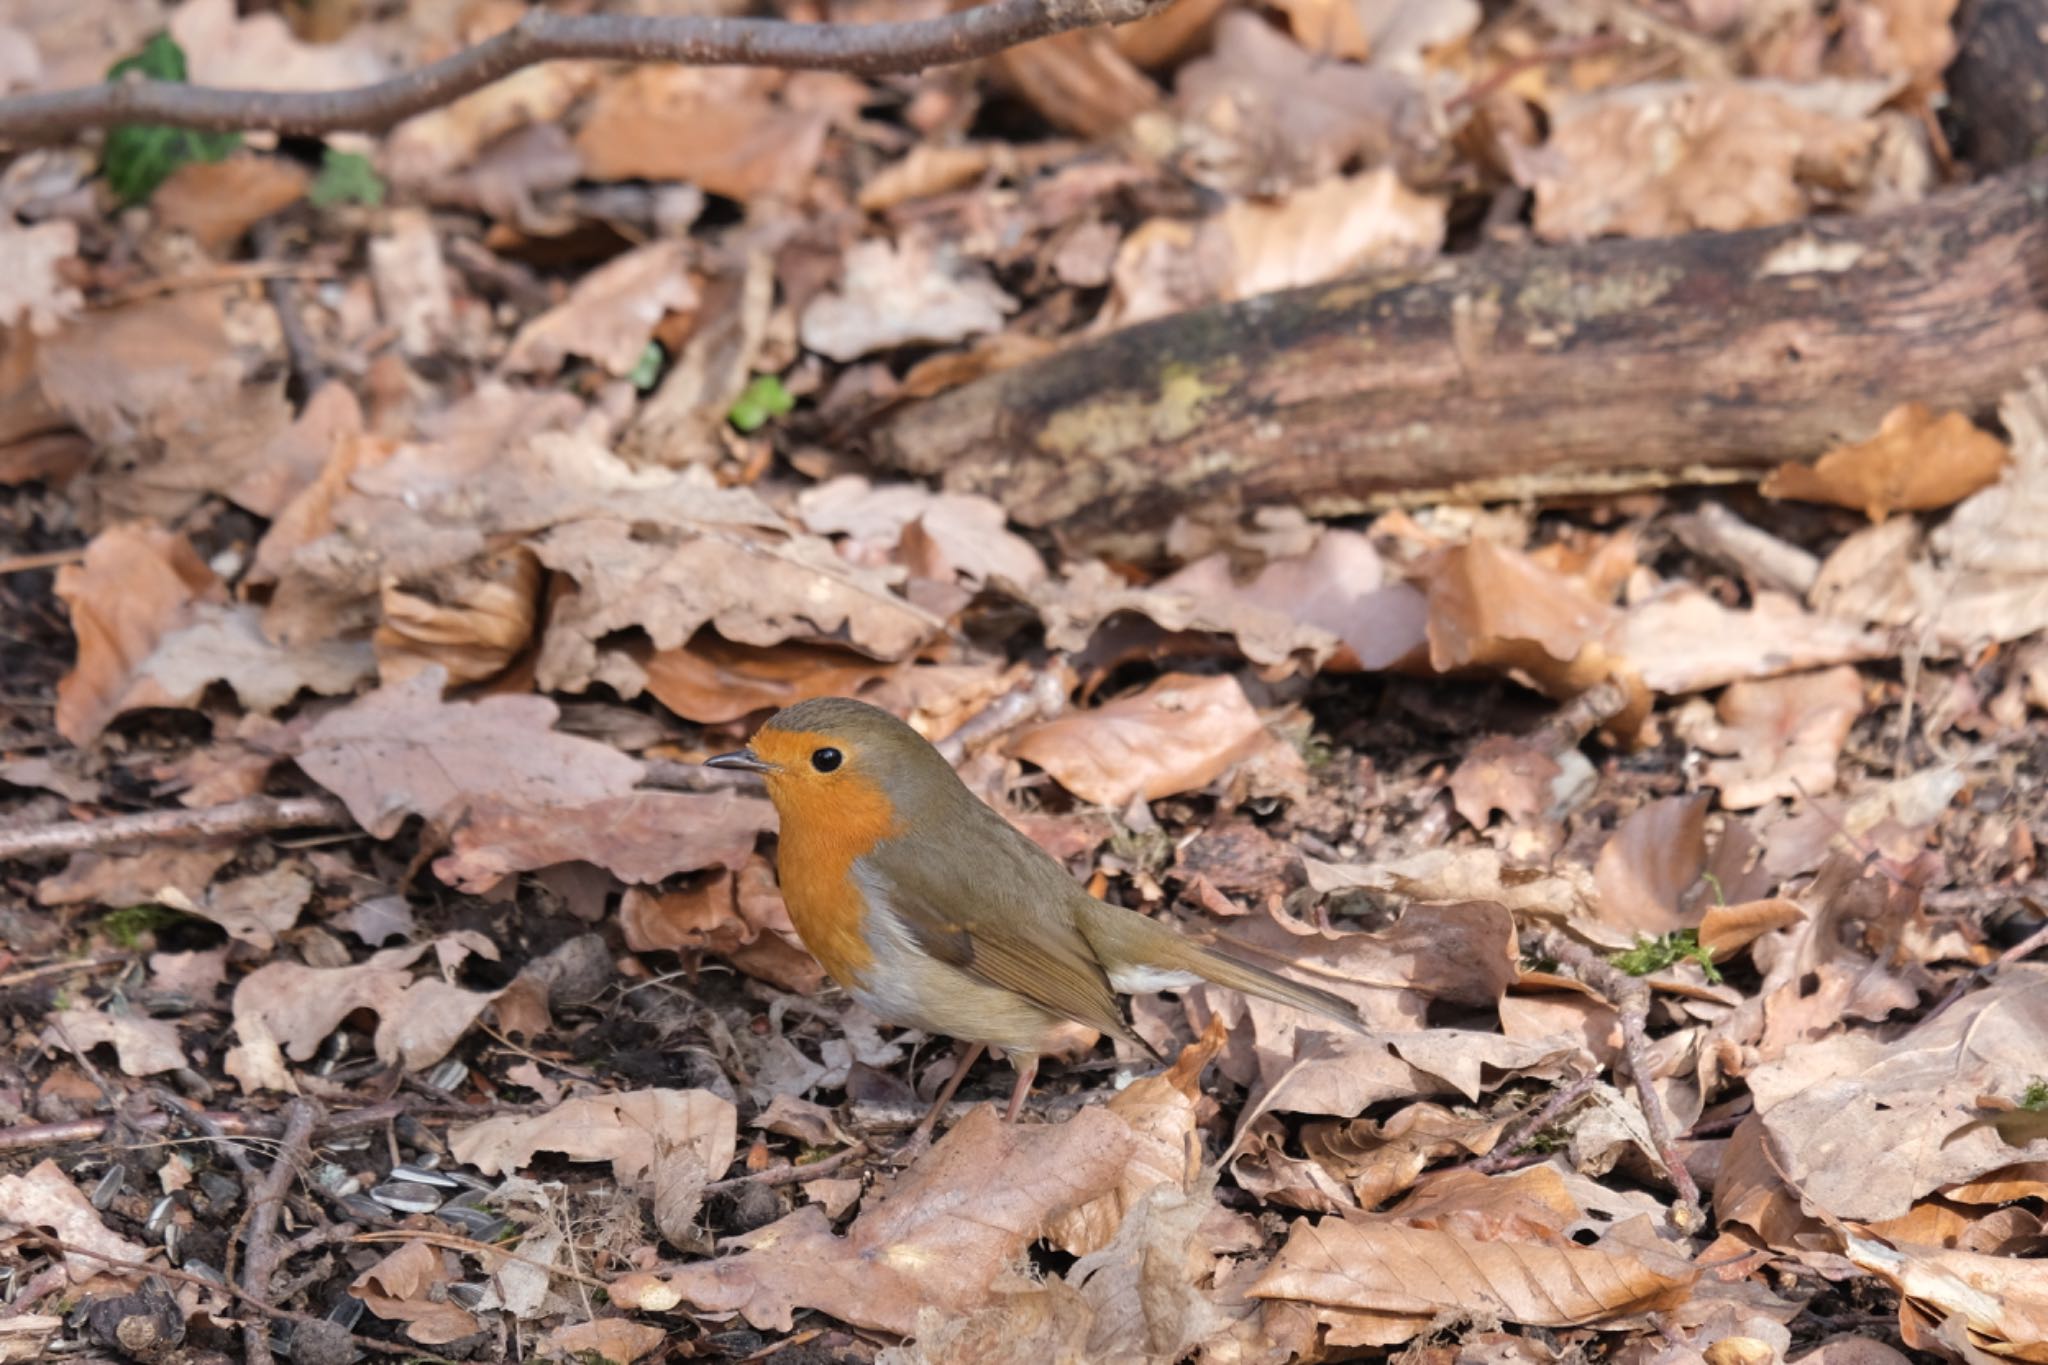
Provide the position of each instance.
(219, 201)
(254, 909)
(138, 584)
(1650, 862)
(1989, 579)
(428, 148)
(1464, 875)
(953, 534)
(1179, 734)
(644, 836)
(1397, 1278)
(718, 128)
(1727, 929)
(259, 51)
(1653, 160)
(1865, 1128)
(678, 1177)
(916, 292)
(810, 1123)
(224, 642)
(623, 1129)
(939, 1239)
(1507, 774)
(610, 315)
(1088, 601)
(288, 1008)
(1785, 734)
(45, 1199)
(144, 1046)
(33, 292)
(2001, 1302)
(1682, 640)
(616, 1340)
(929, 168)
(119, 880)
(1917, 461)
(1333, 28)
(410, 1285)
(411, 281)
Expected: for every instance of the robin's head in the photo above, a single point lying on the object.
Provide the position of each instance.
(835, 755)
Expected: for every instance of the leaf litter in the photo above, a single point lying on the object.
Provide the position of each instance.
(580, 498)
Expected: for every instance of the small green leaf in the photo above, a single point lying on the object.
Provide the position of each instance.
(346, 178)
(764, 400)
(161, 59)
(649, 369)
(1655, 954)
(140, 157)
(2035, 1097)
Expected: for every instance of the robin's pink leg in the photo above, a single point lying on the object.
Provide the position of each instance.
(921, 1136)
(1027, 1072)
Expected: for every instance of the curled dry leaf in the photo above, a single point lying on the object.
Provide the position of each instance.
(616, 1340)
(1377, 1281)
(1863, 1129)
(741, 918)
(2000, 1303)
(927, 169)
(916, 292)
(1179, 734)
(1656, 160)
(1785, 733)
(1650, 862)
(144, 1046)
(46, 1200)
(472, 621)
(138, 584)
(1727, 929)
(287, 1007)
(623, 1129)
(1079, 81)
(611, 314)
(713, 681)
(1915, 462)
(411, 1286)
(945, 1231)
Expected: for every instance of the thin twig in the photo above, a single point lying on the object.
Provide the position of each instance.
(48, 559)
(541, 35)
(2025, 948)
(83, 964)
(265, 1199)
(1504, 1152)
(791, 1175)
(382, 1348)
(218, 1126)
(1044, 694)
(283, 293)
(1631, 999)
(205, 1124)
(255, 815)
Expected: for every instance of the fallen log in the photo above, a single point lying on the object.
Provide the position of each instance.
(1507, 374)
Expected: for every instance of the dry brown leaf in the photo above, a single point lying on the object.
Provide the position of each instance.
(1507, 774)
(1650, 862)
(1656, 160)
(218, 201)
(259, 51)
(1079, 81)
(287, 1007)
(928, 169)
(741, 918)
(144, 1046)
(1682, 640)
(617, 1340)
(225, 643)
(412, 284)
(1865, 1128)
(1081, 614)
(427, 149)
(118, 880)
(32, 291)
(1167, 1149)
(45, 1198)
(641, 837)
(1727, 929)
(1916, 461)
(411, 1286)
(1180, 734)
(944, 1232)
(253, 909)
(138, 584)
(1378, 1160)
(718, 128)
(623, 1129)
(915, 292)
(940, 536)
(611, 314)
(2001, 1302)
(1390, 1280)
(1785, 733)
(473, 622)
(713, 681)
(1331, 28)
(1464, 875)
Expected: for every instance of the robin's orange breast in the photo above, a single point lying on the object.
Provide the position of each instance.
(819, 844)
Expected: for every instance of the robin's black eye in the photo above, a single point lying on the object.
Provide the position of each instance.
(825, 760)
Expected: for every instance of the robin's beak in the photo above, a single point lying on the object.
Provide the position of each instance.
(742, 759)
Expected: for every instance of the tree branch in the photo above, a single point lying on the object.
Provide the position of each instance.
(539, 36)
(253, 815)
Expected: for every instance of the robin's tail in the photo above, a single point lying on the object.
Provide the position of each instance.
(1149, 956)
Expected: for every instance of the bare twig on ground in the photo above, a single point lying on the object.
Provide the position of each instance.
(1041, 697)
(226, 1127)
(266, 1196)
(283, 293)
(1631, 999)
(1569, 725)
(541, 35)
(791, 1175)
(207, 1124)
(84, 964)
(255, 815)
(1504, 1152)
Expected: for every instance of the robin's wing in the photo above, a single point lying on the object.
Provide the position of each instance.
(1018, 938)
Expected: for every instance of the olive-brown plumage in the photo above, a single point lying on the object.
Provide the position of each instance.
(934, 912)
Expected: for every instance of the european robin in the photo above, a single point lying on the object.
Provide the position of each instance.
(932, 911)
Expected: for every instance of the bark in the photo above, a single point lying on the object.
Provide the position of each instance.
(1541, 372)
